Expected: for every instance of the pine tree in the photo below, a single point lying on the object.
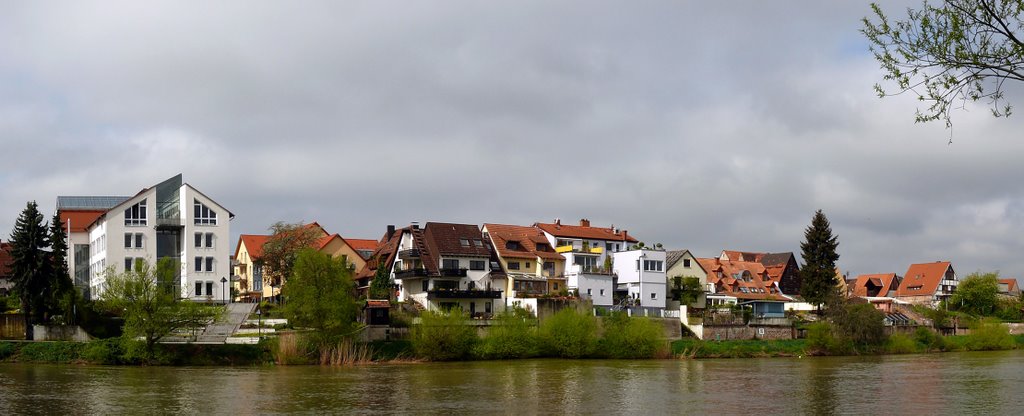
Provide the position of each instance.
(819, 252)
(60, 284)
(381, 286)
(30, 264)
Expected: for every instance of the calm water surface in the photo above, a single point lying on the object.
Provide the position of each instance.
(954, 383)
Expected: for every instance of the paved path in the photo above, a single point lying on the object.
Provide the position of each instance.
(219, 331)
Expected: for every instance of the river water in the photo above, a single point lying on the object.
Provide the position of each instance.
(952, 383)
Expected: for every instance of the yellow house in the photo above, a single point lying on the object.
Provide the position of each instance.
(534, 268)
(250, 282)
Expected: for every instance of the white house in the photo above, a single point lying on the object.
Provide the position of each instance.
(169, 220)
(587, 251)
(641, 274)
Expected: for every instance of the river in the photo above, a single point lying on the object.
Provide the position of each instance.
(952, 383)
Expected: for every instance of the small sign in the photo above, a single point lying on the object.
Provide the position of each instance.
(760, 331)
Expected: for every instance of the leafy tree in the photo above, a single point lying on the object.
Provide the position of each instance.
(151, 311)
(686, 289)
(319, 295)
(949, 54)
(512, 335)
(282, 249)
(818, 276)
(30, 264)
(444, 336)
(381, 287)
(977, 294)
(569, 334)
(862, 324)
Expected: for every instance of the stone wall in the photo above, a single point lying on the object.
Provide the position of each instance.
(59, 333)
(744, 332)
(12, 326)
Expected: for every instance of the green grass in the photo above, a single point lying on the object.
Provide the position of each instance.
(695, 348)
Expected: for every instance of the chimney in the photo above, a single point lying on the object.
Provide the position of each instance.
(415, 225)
(391, 232)
(558, 221)
(584, 222)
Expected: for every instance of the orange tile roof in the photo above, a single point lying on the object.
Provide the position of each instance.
(80, 219)
(361, 244)
(253, 243)
(886, 282)
(586, 231)
(923, 279)
(528, 239)
(732, 281)
(1011, 284)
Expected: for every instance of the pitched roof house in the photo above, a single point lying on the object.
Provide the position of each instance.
(1009, 287)
(685, 264)
(531, 264)
(782, 267)
(928, 283)
(587, 251)
(744, 282)
(876, 285)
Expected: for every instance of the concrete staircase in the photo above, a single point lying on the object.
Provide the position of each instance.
(219, 331)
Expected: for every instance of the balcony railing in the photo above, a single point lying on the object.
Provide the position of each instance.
(464, 294)
(406, 274)
(168, 221)
(410, 253)
(453, 272)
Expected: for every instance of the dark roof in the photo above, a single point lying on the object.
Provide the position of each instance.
(527, 239)
(447, 239)
(776, 259)
(586, 231)
(672, 257)
(89, 202)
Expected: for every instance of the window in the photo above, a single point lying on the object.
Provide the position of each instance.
(203, 214)
(209, 288)
(602, 292)
(478, 243)
(132, 240)
(527, 265)
(556, 286)
(450, 264)
(464, 242)
(513, 265)
(513, 245)
(199, 264)
(199, 240)
(477, 264)
(199, 288)
(686, 263)
(209, 264)
(135, 215)
(654, 296)
(426, 285)
(128, 240)
(257, 277)
(209, 240)
(653, 265)
(128, 263)
(590, 292)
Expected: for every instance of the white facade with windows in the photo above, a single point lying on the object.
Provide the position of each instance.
(641, 273)
(584, 266)
(170, 220)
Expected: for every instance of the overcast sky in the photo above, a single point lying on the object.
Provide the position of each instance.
(698, 125)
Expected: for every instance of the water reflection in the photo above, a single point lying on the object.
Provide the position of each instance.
(973, 383)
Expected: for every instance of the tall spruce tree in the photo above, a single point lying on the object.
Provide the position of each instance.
(818, 274)
(60, 298)
(381, 286)
(30, 264)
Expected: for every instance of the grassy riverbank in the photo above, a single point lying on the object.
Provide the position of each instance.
(899, 344)
(117, 352)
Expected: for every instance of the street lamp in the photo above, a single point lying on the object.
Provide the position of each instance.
(259, 321)
(223, 289)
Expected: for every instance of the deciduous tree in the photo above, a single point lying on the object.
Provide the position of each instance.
(282, 249)
(950, 53)
(320, 295)
(978, 293)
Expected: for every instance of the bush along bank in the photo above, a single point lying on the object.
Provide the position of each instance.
(823, 341)
(567, 334)
(115, 351)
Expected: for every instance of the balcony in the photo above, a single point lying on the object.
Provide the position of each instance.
(463, 294)
(168, 222)
(584, 250)
(411, 273)
(453, 272)
(411, 253)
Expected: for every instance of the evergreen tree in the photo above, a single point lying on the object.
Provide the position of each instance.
(30, 264)
(818, 274)
(381, 286)
(60, 283)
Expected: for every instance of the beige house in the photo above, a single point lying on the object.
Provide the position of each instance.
(683, 263)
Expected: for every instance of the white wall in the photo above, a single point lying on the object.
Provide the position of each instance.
(596, 283)
(642, 283)
(221, 251)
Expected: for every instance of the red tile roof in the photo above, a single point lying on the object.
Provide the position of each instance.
(5, 259)
(923, 279)
(885, 283)
(586, 231)
(80, 219)
(1011, 284)
(741, 279)
(362, 244)
(527, 238)
(253, 243)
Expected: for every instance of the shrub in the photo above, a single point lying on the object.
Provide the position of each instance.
(7, 349)
(511, 336)
(990, 334)
(901, 344)
(443, 336)
(569, 334)
(626, 337)
(103, 351)
(49, 352)
(862, 324)
(929, 340)
(821, 340)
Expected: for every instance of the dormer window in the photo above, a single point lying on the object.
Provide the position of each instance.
(464, 242)
(513, 245)
(543, 247)
(203, 214)
(135, 215)
(478, 243)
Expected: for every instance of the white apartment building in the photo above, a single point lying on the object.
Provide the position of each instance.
(641, 274)
(586, 250)
(169, 220)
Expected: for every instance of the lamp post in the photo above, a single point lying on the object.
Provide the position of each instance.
(259, 322)
(223, 289)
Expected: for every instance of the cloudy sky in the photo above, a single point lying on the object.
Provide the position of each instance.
(695, 124)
